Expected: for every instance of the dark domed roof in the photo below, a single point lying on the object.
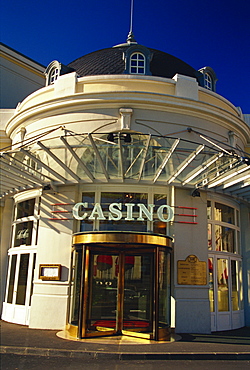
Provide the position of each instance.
(111, 61)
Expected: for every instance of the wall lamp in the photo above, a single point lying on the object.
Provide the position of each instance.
(246, 160)
(50, 188)
(196, 193)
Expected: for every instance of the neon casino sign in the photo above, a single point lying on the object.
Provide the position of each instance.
(164, 213)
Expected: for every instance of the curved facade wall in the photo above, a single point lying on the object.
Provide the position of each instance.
(127, 105)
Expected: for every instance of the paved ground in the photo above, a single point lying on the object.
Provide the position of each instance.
(21, 362)
(228, 345)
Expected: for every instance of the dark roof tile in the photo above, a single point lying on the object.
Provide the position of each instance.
(110, 61)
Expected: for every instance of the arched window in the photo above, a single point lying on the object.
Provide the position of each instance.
(208, 82)
(55, 70)
(209, 78)
(137, 63)
(52, 72)
(53, 76)
(137, 60)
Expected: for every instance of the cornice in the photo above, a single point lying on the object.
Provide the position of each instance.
(80, 102)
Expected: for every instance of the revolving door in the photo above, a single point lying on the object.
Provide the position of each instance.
(121, 285)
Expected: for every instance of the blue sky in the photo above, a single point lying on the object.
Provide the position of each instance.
(213, 33)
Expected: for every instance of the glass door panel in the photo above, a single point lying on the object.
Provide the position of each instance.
(138, 293)
(119, 294)
(76, 287)
(22, 279)
(235, 287)
(222, 281)
(225, 292)
(164, 296)
(126, 292)
(103, 293)
(19, 288)
(211, 283)
(19, 283)
(12, 278)
(240, 285)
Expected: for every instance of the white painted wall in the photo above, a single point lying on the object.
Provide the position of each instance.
(20, 76)
(192, 313)
(245, 250)
(49, 300)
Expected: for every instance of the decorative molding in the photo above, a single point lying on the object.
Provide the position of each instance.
(126, 114)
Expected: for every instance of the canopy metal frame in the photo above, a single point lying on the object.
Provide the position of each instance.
(152, 160)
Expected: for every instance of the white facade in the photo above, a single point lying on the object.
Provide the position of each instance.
(64, 128)
(20, 76)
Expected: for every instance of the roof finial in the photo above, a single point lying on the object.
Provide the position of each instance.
(131, 16)
(131, 37)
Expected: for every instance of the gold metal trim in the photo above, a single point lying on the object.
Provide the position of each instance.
(164, 334)
(137, 335)
(72, 330)
(122, 238)
(120, 296)
(85, 292)
(50, 272)
(102, 333)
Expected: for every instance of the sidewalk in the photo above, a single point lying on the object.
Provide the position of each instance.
(228, 345)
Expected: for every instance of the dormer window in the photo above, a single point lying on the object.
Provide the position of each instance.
(137, 60)
(137, 63)
(209, 78)
(54, 74)
(55, 70)
(208, 84)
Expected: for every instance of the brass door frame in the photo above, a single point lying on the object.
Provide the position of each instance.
(87, 288)
(120, 300)
(122, 237)
(119, 243)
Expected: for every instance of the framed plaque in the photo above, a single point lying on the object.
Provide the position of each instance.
(191, 271)
(50, 272)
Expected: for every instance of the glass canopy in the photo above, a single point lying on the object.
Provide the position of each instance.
(124, 157)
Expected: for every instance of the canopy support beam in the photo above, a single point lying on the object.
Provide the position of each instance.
(185, 163)
(166, 159)
(58, 161)
(40, 163)
(79, 161)
(99, 158)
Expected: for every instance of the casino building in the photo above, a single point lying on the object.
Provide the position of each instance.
(126, 200)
